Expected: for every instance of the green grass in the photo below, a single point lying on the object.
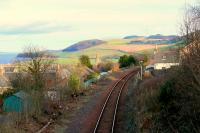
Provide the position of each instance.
(71, 61)
(117, 42)
(171, 46)
(104, 52)
(67, 61)
(101, 51)
(90, 52)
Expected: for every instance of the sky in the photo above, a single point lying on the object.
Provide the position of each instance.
(56, 24)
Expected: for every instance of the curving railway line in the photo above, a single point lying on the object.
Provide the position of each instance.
(107, 117)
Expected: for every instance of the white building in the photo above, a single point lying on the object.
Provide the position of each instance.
(159, 66)
(166, 59)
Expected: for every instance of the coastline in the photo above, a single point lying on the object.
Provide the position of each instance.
(7, 57)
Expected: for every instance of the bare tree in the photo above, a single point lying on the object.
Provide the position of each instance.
(190, 54)
(190, 28)
(36, 62)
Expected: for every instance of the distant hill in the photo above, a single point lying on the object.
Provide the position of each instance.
(157, 36)
(162, 37)
(83, 45)
(157, 39)
(152, 39)
(173, 41)
(50, 50)
(132, 37)
(112, 49)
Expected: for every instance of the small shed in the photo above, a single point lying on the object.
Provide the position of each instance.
(18, 102)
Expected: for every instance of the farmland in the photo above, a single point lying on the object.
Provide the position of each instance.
(111, 50)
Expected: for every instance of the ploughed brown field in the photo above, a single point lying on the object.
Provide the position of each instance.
(133, 48)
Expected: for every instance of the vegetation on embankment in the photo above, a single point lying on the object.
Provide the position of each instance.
(169, 102)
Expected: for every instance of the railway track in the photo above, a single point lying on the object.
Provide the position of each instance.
(107, 118)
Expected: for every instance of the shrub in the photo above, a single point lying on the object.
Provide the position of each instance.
(108, 66)
(179, 101)
(22, 82)
(123, 61)
(166, 92)
(8, 93)
(104, 67)
(131, 60)
(74, 83)
(126, 61)
(92, 76)
(85, 60)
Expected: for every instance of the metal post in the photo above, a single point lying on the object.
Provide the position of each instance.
(141, 72)
(141, 69)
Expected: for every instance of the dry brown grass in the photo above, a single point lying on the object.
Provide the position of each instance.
(168, 104)
(146, 102)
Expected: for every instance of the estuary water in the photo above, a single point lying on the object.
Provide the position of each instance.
(6, 58)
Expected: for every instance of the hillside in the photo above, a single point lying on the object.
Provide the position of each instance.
(152, 39)
(112, 49)
(83, 45)
(162, 37)
(109, 51)
(132, 37)
(156, 36)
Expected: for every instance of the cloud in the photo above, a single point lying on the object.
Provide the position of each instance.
(33, 28)
(55, 23)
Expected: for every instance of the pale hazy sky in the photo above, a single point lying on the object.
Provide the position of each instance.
(55, 24)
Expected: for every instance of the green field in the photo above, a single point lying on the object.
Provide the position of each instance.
(72, 57)
(117, 42)
(103, 51)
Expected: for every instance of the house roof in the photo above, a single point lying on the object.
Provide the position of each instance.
(65, 71)
(166, 57)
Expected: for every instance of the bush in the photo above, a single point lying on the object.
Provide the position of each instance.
(74, 83)
(132, 60)
(8, 93)
(85, 60)
(126, 61)
(92, 76)
(123, 61)
(22, 82)
(108, 66)
(105, 67)
(166, 92)
(179, 102)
